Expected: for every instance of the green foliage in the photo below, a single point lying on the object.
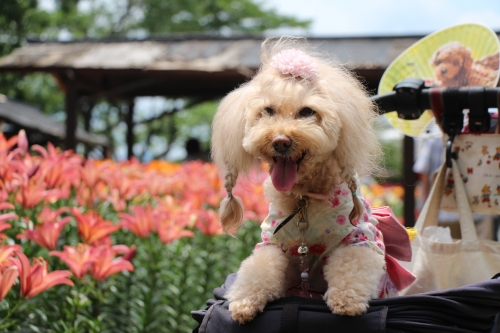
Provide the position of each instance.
(393, 161)
(213, 16)
(38, 89)
(195, 122)
(20, 19)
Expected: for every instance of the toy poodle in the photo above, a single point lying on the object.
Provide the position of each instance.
(454, 67)
(310, 121)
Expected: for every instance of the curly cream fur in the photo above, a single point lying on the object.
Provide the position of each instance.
(349, 291)
(334, 144)
(260, 280)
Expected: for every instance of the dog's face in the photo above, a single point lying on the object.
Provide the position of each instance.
(451, 63)
(292, 125)
(309, 120)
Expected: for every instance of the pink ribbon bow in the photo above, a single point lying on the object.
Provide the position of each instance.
(397, 246)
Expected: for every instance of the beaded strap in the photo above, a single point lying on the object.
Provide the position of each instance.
(303, 225)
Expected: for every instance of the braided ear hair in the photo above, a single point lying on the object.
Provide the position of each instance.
(231, 207)
(228, 153)
(352, 183)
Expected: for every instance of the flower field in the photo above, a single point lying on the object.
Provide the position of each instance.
(102, 246)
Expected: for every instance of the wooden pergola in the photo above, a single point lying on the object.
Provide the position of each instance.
(206, 67)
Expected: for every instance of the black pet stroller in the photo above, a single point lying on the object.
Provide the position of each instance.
(472, 308)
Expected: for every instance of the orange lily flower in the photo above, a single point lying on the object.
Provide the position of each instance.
(8, 276)
(32, 189)
(47, 233)
(128, 252)
(8, 271)
(6, 206)
(157, 184)
(30, 193)
(171, 219)
(163, 166)
(4, 225)
(79, 258)
(170, 231)
(140, 222)
(4, 195)
(92, 227)
(107, 264)
(106, 240)
(6, 252)
(7, 156)
(58, 169)
(60, 172)
(92, 189)
(207, 221)
(6, 217)
(7, 144)
(34, 277)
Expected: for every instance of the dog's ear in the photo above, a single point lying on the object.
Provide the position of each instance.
(358, 149)
(228, 153)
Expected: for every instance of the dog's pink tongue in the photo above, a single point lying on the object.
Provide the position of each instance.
(284, 174)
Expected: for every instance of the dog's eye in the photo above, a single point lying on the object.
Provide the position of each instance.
(455, 63)
(270, 111)
(306, 112)
(439, 62)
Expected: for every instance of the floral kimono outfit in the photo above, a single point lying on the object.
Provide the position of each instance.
(329, 229)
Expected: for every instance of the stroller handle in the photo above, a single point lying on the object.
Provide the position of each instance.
(411, 97)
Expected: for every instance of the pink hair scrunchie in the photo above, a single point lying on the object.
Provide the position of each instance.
(296, 63)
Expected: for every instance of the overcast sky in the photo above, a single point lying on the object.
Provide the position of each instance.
(388, 17)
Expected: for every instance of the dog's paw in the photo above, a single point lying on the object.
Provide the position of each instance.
(245, 310)
(346, 302)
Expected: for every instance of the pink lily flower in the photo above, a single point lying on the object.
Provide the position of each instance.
(107, 265)
(169, 231)
(79, 259)
(47, 233)
(207, 221)
(34, 278)
(92, 227)
(8, 276)
(8, 271)
(140, 222)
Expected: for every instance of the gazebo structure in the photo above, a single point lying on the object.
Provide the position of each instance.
(206, 67)
(174, 67)
(39, 126)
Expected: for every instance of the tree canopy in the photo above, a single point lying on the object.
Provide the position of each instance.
(134, 18)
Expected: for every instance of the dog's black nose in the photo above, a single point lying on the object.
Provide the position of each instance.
(444, 71)
(282, 144)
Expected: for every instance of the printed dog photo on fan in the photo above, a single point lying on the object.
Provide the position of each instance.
(454, 67)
